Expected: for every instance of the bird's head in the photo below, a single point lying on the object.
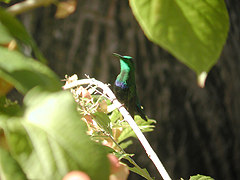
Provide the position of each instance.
(126, 62)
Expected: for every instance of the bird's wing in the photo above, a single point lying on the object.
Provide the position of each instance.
(141, 112)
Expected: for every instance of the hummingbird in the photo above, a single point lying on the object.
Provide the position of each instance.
(125, 87)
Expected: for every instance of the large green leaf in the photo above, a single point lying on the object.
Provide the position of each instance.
(50, 139)
(17, 30)
(25, 73)
(193, 31)
(9, 168)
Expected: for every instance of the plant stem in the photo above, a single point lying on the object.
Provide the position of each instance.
(27, 5)
(150, 152)
(130, 159)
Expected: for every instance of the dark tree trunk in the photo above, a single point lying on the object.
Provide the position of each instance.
(198, 130)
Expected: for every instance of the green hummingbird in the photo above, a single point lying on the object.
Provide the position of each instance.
(125, 86)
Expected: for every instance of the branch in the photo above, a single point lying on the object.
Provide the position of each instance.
(27, 5)
(150, 152)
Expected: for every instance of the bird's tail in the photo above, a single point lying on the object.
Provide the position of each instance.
(141, 112)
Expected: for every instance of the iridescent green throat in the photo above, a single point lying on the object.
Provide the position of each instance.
(124, 65)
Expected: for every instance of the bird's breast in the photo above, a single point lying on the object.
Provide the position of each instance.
(121, 84)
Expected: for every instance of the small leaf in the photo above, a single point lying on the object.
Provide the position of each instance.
(9, 167)
(103, 106)
(115, 116)
(65, 8)
(103, 120)
(200, 177)
(120, 156)
(125, 144)
(144, 126)
(193, 31)
(142, 172)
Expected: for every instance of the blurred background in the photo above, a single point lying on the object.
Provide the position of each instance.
(197, 130)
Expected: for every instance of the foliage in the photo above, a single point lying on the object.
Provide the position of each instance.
(200, 177)
(5, 1)
(9, 167)
(46, 137)
(193, 31)
(15, 31)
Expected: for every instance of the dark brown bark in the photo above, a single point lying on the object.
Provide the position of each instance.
(198, 130)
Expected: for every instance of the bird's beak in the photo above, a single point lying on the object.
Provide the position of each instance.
(117, 55)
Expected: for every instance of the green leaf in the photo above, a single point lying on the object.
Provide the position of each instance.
(115, 116)
(103, 121)
(9, 167)
(193, 31)
(17, 30)
(121, 155)
(200, 177)
(5, 1)
(142, 172)
(144, 126)
(50, 140)
(125, 144)
(5, 36)
(25, 73)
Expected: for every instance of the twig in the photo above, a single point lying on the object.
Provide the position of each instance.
(27, 5)
(150, 152)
